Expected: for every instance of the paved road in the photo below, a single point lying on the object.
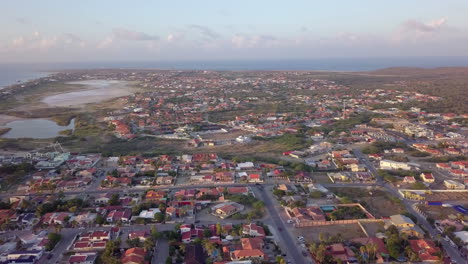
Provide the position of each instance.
(453, 253)
(132, 189)
(288, 242)
(161, 252)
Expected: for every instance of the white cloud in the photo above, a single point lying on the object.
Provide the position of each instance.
(126, 34)
(38, 42)
(252, 41)
(105, 43)
(205, 32)
(415, 31)
(418, 26)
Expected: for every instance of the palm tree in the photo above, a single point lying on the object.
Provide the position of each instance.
(339, 237)
(312, 247)
(209, 246)
(363, 250)
(182, 247)
(320, 254)
(148, 244)
(371, 250)
(322, 237)
(58, 228)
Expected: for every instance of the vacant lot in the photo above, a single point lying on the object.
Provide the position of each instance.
(257, 148)
(377, 202)
(447, 196)
(311, 234)
(438, 212)
(321, 177)
(373, 228)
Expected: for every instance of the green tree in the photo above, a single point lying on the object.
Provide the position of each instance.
(158, 217)
(218, 229)
(53, 238)
(115, 199)
(100, 220)
(258, 205)
(134, 242)
(149, 244)
(206, 233)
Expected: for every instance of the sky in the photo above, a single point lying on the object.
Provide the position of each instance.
(178, 30)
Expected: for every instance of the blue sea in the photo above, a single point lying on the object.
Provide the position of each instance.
(13, 73)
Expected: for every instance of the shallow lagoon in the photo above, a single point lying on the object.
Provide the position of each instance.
(35, 128)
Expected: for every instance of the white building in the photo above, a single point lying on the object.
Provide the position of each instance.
(453, 185)
(149, 214)
(394, 165)
(245, 166)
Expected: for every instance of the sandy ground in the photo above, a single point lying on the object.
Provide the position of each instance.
(311, 234)
(103, 91)
(4, 119)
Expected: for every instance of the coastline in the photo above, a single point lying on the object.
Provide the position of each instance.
(4, 130)
(5, 119)
(21, 79)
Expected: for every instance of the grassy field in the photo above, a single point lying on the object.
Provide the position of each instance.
(23, 144)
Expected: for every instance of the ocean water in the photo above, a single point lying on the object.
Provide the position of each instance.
(16, 73)
(11, 73)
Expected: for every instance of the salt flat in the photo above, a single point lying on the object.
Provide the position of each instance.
(94, 91)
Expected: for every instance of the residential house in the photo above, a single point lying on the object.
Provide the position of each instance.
(409, 180)
(164, 180)
(238, 190)
(134, 256)
(225, 210)
(454, 185)
(253, 230)
(85, 218)
(405, 225)
(381, 254)
(252, 243)
(255, 177)
(243, 254)
(194, 254)
(427, 177)
(245, 166)
(444, 166)
(426, 250)
(149, 214)
(103, 198)
(142, 235)
(341, 252)
(155, 196)
(309, 213)
(122, 215)
(83, 258)
(394, 165)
